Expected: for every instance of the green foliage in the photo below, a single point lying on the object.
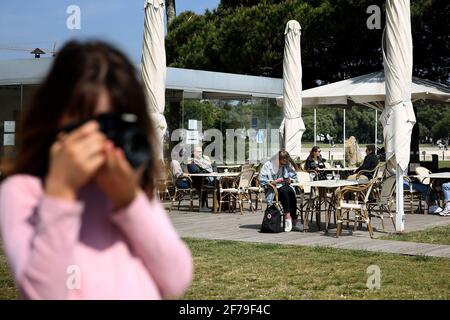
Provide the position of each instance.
(442, 128)
(204, 111)
(434, 120)
(247, 37)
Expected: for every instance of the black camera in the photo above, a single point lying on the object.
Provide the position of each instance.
(123, 131)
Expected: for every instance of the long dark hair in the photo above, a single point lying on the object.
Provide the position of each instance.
(72, 87)
(314, 149)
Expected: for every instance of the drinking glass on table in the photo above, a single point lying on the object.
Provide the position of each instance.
(312, 175)
(337, 176)
(329, 176)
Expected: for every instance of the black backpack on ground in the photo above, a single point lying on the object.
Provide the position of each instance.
(272, 220)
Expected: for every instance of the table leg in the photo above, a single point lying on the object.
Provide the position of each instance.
(216, 188)
(319, 208)
(200, 198)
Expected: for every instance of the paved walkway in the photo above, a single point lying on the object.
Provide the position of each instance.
(237, 227)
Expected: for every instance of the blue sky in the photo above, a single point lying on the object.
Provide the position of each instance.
(29, 24)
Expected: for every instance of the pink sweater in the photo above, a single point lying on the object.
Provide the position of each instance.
(81, 250)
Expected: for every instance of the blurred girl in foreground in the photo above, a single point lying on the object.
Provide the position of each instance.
(74, 219)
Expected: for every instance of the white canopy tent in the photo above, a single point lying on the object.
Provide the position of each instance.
(154, 67)
(398, 116)
(368, 90)
(292, 126)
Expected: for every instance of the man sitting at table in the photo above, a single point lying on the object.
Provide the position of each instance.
(370, 163)
(201, 164)
(280, 172)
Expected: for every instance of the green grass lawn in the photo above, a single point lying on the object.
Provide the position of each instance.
(436, 235)
(238, 270)
(7, 287)
(309, 145)
(444, 164)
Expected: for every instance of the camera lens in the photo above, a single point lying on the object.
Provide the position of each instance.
(136, 147)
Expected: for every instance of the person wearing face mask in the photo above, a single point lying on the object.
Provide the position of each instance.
(280, 172)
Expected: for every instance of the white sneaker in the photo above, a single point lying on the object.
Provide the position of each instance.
(288, 225)
(434, 209)
(298, 226)
(446, 211)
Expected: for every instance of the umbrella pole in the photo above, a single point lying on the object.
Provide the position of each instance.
(400, 214)
(344, 138)
(376, 129)
(315, 126)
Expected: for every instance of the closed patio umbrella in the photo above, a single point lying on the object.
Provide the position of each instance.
(398, 116)
(292, 126)
(154, 67)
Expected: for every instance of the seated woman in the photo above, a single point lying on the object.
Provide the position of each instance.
(280, 173)
(314, 160)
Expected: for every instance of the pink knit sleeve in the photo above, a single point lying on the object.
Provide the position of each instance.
(154, 239)
(39, 234)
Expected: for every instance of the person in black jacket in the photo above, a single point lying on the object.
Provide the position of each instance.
(370, 161)
(315, 160)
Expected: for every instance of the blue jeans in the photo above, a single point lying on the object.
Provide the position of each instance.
(446, 191)
(427, 195)
(182, 184)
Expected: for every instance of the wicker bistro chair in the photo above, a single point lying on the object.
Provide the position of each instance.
(359, 207)
(239, 192)
(163, 189)
(382, 199)
(378, 171)
(246, 166)
(308, 201)
(256, 189)
(183, 194)
(164, 185)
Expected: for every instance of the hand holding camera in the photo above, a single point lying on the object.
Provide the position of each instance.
(117, 179)
(111, 149)
(74, 159)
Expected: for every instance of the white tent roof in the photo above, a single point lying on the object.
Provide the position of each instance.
(369, 90)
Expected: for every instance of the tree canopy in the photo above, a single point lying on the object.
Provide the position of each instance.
(247, 37)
